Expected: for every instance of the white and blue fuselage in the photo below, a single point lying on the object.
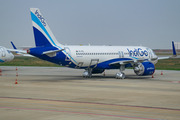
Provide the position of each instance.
(87, 56)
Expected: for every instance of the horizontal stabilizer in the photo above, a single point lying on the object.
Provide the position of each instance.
(51, 53)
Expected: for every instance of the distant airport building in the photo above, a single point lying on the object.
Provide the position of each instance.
(177, 45)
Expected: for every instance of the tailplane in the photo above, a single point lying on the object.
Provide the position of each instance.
(42, 33)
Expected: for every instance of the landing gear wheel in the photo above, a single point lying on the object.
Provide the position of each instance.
(120, 75)
(87, 74)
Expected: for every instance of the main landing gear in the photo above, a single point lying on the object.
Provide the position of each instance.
(120, 75)
(87, 73)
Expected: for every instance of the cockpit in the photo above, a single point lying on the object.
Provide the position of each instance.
(151, 53)
(2, 52)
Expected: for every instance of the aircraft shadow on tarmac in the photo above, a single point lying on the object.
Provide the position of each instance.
(94, 77)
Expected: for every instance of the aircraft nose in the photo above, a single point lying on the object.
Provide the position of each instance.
(11, 57)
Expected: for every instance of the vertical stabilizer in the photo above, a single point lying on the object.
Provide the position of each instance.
(42, 33)
(174, 50)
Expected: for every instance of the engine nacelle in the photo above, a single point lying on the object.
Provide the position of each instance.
(144, 68)
(96, 70)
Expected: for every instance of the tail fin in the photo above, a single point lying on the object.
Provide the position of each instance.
(42, 33)
(13, 45)
(174, 50)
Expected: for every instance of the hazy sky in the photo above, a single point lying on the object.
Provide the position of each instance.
(151, 23)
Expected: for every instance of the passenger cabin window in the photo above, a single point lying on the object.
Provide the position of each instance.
(98, 53)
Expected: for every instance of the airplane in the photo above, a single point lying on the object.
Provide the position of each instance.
(94, 59)
(5, 55)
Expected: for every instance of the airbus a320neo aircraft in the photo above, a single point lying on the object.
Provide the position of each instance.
(94, 59)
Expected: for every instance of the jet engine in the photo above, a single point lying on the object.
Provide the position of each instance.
(144, 68)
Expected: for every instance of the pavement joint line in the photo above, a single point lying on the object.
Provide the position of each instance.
(93, 103)
(52, 106)
(79, 113)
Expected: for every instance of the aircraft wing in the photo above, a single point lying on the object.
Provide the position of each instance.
(174, 53)
(161, 58)
(19, 52)
(126, 62)
(117, 63)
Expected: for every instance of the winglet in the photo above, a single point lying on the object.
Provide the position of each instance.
(174, 50)
(13, 45)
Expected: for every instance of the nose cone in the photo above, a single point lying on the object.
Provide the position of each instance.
(11, 57)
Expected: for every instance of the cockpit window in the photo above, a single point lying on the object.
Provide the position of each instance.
(3, 52)
(151, 51)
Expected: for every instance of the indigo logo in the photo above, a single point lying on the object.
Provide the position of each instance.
(40, 17)
(137, 52)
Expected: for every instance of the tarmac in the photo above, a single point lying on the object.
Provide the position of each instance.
(60, 93)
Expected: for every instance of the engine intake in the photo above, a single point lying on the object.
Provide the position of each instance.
(144, 68)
